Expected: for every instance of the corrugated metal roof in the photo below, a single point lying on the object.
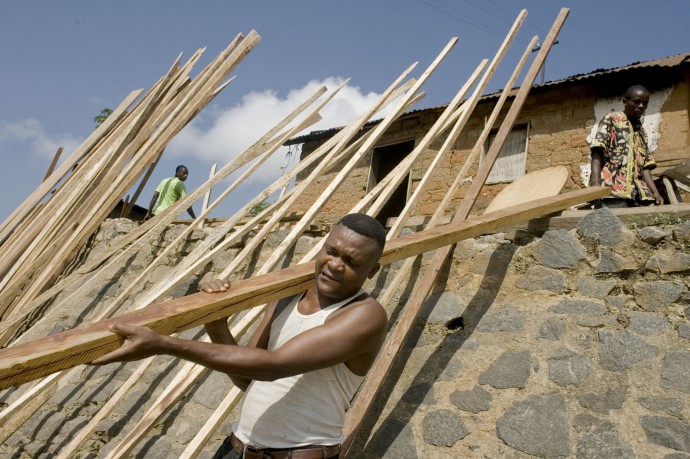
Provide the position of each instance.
(666, 62)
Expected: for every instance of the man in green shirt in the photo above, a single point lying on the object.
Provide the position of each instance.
(169, 192)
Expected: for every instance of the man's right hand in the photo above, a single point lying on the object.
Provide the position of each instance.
(214, 285)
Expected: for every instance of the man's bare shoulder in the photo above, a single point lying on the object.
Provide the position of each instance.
(363, 309)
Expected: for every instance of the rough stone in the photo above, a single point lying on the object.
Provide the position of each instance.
(542, 278)
(667, 432)
(596, 321)
(647, 323)
(579, 307)
(505, 319)
(443, 428)
(666, 263)
(603, 442)
(595, 288)
(677, 456)
(684, 331)
(159, 449)
(612, 399)
(617, 301)
(441, 307)
(50, 425)
(511, 369)
(675, 372)
(396, 440)
(420, 393)
(612, 262)
(559, 249)
(619, 351)
(211, 393)
(604, 227)
(651, 234)
(681, 233)
(567, 367)
(552, 329)
(672, 406)
(537, 426)
(657, 294)
(451, 370)
(474, 401)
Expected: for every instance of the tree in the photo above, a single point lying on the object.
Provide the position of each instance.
(105, 113)
(260, 207)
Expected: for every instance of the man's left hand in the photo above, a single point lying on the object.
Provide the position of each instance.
(658, 200)
(140, 342)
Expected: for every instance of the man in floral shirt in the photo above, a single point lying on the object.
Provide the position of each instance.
(620, 155)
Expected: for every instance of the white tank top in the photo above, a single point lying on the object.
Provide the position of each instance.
(300, 410)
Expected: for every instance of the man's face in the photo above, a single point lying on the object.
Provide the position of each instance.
(636, 104)
(344, 263)
(182, 174)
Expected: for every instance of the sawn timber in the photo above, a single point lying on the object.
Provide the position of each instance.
(35, 359)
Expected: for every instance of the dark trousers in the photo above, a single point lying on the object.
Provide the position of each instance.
(226, 451)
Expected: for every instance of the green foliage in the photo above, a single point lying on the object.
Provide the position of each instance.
(260, 207)
(105, 113)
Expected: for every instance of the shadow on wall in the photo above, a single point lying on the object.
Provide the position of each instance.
(462, 328)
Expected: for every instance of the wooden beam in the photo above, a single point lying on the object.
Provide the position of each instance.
(420, 292)
(51, 168)
(30, 361)
(207, 196)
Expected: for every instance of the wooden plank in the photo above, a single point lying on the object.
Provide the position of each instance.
(670, 191)
(51, 168)
(126, 210)
(535, 185)
(15, 218)
(177, 118)
(449, 115)
(469, 107)
(376, 377)
(633, 216)
(511, 116)
(47, 252)
(275, 144)
(190, 373)
(439, 216)
(29, 361)
(207, 196)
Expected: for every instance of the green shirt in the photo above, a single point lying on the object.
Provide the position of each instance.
(169, 191)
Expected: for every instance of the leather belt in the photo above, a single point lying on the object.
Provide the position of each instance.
(305, 452)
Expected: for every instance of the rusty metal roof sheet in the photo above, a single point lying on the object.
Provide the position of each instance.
(666, 62)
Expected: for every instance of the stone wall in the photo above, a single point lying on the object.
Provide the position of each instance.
(574, 345)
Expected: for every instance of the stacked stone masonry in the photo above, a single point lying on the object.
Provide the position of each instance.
(575, 344)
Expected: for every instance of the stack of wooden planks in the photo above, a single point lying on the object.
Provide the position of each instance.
(134, 139)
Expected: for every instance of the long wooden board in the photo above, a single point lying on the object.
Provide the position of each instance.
(29, 361)
(535, 185)
(422, 289)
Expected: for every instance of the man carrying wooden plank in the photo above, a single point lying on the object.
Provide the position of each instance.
(621, 156)
(306, 359)
(169, 191)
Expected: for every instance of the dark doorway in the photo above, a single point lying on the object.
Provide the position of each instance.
(383, 161)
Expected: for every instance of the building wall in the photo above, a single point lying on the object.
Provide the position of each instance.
(560, 119)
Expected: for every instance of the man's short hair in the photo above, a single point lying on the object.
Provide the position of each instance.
(181, 166)
(632, 90)
(366, 226)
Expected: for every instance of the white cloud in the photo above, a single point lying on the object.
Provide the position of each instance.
(233, 130)
(33, 135)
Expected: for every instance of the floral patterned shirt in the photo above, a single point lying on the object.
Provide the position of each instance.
(626, 154)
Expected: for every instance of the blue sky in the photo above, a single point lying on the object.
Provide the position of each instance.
(62, 62)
